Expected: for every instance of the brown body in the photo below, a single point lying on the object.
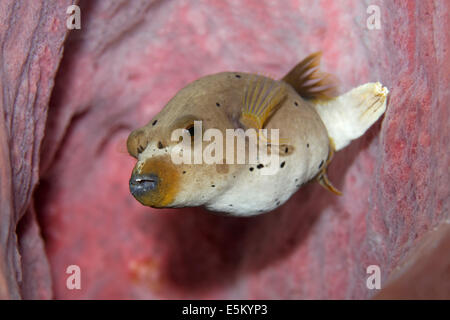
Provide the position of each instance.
(299, 106)
(216, 100)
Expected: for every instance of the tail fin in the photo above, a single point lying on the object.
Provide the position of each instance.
(348, 116)
(309, 82)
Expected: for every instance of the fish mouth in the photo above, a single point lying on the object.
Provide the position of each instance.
(141, 184)
(155, 182)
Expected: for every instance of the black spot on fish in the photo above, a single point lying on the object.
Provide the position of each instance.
(307, 145)
(260, 166)
(278, 203)
(238, 75)
(154, 122)
(321, 164)
(160, 145)
(213, 185)
(251, 168)
(282, 164)
(184, 172)
(217, 104)
(286, 150)
(296, 103)
(230, 205)
(296, 180)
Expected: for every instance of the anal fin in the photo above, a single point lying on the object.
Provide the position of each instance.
(324, 182)
(322, 176)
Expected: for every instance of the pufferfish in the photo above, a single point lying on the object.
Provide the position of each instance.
(312, 122)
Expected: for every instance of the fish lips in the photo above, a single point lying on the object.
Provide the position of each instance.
(142, 184)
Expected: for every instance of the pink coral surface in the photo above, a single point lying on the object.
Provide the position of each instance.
(128, 60)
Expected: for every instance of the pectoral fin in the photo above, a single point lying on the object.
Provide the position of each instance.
(261, 99)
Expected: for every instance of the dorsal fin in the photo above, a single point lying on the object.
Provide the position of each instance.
(309, 82)
(262, 97)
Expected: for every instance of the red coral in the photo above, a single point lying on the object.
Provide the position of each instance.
(120, 69)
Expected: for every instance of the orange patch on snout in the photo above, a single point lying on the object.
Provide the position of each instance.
(168, 182)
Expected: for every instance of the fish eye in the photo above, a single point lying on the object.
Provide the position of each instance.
(187, 123)
(190, 129)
